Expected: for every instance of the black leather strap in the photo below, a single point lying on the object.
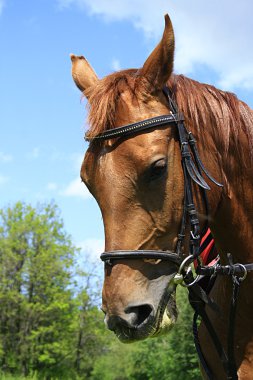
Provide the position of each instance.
(130, 129)
(110, 256)
(227, 270)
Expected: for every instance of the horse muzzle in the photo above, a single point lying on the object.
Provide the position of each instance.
(135, 323)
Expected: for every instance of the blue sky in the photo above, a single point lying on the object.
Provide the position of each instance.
(42, 118)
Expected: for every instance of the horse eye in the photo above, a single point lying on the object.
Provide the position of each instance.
(158, 168)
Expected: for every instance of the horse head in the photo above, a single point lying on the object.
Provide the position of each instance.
(138, 184)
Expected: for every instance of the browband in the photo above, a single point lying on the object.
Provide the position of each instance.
(157, 121)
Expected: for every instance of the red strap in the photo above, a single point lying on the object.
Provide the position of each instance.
(209, 255)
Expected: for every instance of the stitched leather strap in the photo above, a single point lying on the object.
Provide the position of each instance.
(108, 256)
(129, 129)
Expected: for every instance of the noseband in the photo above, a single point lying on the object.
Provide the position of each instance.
(193, 170)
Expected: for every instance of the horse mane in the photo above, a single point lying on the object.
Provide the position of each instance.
(201, 104)
(104, 96)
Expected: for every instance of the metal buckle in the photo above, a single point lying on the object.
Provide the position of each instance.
(242, 278)
(185, 266)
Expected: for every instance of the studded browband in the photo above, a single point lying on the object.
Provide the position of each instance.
(140, 126)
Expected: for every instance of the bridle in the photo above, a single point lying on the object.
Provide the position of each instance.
(193, 170)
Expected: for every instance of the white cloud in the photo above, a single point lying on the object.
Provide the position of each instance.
(2, 3)
(76, 189)
(5, 157)
(77, 159)
(35, 152)
(217, 34)
(64, 3)
(116, 64)
(92, 247)
(3, 180)
(51, 186)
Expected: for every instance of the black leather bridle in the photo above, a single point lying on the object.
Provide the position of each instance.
(193, 170)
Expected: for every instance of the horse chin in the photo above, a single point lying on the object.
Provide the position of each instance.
(157, 325)
(134, 335)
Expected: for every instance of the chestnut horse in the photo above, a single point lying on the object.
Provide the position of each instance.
(138, 183)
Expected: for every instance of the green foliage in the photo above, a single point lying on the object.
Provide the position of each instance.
(36, 257)
(4, 376)
(40, 311)
(50, 328)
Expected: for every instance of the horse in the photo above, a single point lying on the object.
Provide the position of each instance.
(138, 179)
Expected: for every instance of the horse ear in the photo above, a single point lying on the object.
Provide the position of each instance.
(83, 74)
(159, 65)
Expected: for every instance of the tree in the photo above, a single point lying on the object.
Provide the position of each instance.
(36, 260)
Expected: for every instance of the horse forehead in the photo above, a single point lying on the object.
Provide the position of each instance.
(135, 153)
(139, 104)
(122, 161)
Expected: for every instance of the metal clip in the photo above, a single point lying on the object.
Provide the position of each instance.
(178, 279)
(194, 237)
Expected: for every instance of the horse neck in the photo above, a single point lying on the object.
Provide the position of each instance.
(224, 141)
(233, 227)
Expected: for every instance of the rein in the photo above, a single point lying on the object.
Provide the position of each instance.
(193, 168)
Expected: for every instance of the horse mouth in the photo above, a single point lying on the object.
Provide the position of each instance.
(158, 323)
(167, 314)
(132, 334)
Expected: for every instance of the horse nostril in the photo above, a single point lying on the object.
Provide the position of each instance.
(113, 322)
(133, 317)
(139, 314)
